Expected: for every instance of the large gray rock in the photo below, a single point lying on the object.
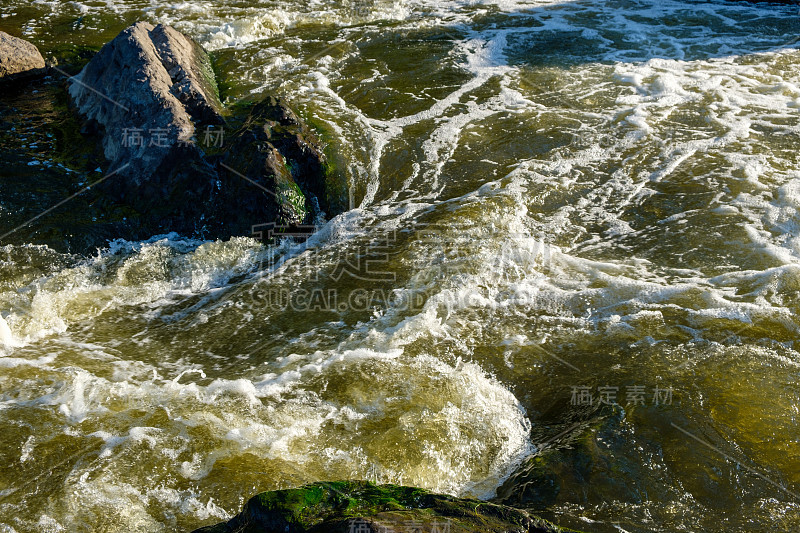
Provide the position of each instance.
(18, 58)
(147, 89)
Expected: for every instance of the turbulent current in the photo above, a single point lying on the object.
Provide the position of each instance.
(552, 203)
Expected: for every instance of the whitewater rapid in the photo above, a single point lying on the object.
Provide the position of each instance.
(568, 193)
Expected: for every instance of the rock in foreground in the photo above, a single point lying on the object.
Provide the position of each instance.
(19, 58)
(359, 506)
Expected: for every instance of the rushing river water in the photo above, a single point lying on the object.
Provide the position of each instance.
(550, 200)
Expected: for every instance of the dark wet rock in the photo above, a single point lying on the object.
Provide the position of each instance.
(151, 96)
(302, 150)
(273, 166)
(568, 459)
(19, 59)
(359, 506)
(578, 464)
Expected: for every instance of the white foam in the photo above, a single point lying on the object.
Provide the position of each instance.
(6, 336)
(150, 272)
(475, 430)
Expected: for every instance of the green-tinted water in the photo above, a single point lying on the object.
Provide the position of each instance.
(550, 200)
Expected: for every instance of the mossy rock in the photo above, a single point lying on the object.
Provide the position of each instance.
(361, 507)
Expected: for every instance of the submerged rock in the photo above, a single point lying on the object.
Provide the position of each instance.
(19, 58)
(359, 506)
(152, 96)
(577, 464)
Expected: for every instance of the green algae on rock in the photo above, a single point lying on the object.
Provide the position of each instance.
(275, 150)
(350, 506)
